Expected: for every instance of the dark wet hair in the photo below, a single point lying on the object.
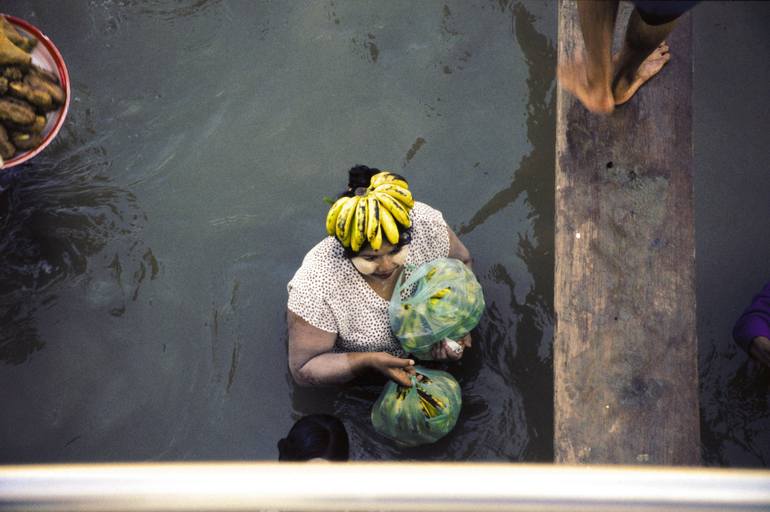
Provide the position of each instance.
(315, 436)
(361, 176)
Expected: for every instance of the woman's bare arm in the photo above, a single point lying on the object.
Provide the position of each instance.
(312, 363)
(458, 250)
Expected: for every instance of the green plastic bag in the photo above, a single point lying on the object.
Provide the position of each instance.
(447, 302)
(420, 414)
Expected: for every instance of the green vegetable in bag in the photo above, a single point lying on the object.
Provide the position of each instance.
(447, 302)
(420, 414)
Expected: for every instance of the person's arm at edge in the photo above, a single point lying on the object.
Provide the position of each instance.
(458, 250)
(312, 363)
(754, 323)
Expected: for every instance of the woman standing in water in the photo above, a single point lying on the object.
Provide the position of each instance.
(338, 299)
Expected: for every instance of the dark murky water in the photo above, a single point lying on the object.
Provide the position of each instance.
(732, 219)
(144, 254)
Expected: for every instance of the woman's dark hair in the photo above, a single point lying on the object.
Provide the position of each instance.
(315, 436)
(361, 176)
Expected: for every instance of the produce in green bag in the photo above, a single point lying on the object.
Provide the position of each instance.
(420, 414)
(447, 302)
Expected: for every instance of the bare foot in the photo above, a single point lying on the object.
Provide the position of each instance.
(597, 99)
(625, 87)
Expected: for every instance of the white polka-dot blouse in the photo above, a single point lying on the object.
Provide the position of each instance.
(328, 292)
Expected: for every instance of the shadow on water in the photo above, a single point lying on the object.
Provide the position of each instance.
(507, 386)
(735, 407)
(57, 214)
(533, 178)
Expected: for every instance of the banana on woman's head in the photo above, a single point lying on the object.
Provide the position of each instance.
(375, 208)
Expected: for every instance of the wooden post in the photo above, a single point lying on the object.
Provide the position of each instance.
(625, 354)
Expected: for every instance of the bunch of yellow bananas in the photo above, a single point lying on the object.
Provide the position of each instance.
(433, 300)
(430, 405)
(422, 413)
(364, 218)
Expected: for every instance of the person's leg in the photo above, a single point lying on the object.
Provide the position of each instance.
(590, 78)
(643, 55)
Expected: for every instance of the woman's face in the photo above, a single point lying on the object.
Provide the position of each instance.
(383, 263)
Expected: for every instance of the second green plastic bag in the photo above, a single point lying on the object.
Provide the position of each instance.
(447, 302)
(420, 414)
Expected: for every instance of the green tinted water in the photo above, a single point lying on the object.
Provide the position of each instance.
(145, 253)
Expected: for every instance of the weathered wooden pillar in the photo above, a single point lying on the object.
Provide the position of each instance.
(625, 355)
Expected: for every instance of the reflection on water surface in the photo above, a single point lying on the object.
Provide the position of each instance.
(60, 219)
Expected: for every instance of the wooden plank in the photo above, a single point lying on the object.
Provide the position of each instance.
(625, 365)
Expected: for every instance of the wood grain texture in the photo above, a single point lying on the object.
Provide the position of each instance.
(625, 353)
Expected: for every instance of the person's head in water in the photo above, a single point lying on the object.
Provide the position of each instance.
(317, 436)
(384, 231)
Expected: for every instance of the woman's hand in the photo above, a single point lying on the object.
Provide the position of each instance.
(397, 369)
(444, 352)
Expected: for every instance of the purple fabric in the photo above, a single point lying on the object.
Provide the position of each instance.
(755, 321)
